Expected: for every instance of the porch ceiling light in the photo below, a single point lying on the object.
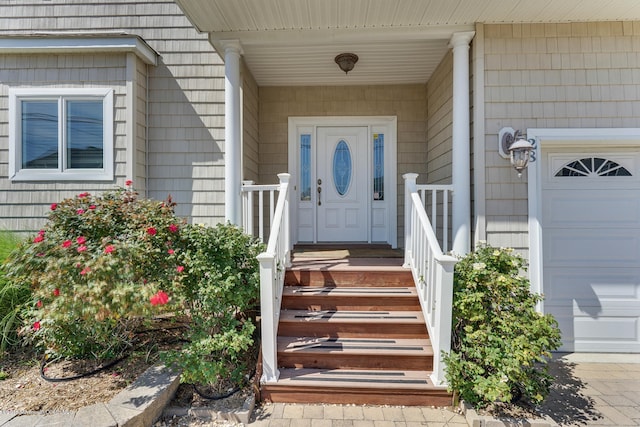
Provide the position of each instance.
(346, 61)
(512, 145)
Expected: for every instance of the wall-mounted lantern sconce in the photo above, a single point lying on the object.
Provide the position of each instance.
(512, 145)
(346, 61)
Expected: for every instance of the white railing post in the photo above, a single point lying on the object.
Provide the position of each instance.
(247, 208)
(409, 187)
(444, 297)
(268, 318)
(284, 180)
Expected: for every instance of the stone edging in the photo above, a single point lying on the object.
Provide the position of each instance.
(476, 420)
(138, 405)
(240, 415)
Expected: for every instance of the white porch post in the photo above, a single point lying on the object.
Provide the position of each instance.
(233, 132)
(409, 186)
(461, 215)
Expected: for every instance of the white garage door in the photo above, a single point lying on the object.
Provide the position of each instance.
(591, 247)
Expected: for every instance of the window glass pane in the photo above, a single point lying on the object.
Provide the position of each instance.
(39, 134)
(84, 135)
(342, 168)
(378, 166)
(305, 167)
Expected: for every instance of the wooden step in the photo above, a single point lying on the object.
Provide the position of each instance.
(350, 298)
(350, 324)
(355, 353)
(359, 273)
(361, 386)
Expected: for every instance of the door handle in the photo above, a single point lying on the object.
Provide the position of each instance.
(319, 192)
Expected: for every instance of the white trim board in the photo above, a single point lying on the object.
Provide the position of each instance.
(79, 43)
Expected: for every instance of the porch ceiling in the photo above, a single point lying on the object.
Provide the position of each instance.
(293, 42)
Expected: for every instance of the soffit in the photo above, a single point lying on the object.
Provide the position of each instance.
(293, 42)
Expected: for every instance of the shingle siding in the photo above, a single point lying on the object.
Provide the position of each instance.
(439, 122)
(551, 76)
(185, 104)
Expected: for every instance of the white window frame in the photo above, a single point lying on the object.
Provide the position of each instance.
(17, 173)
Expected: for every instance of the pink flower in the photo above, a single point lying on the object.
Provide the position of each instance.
(56, 292)
(39, 238)
(92, 207)
(171, 251)
(81, 240)
(41, 233)
(152, 231)
(36, 326)
(66, 243)
(108, 249)
(39, 304)
(160, 298)
(80, 211)
(173, 228)
(128, 183)
(83, 195)
(180, 269)
(53, 206)
(82, 248)
(85, 271)
(40, 254)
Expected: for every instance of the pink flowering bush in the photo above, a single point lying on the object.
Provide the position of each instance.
(99, 267)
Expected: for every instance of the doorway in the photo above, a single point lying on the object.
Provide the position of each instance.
(343, 176)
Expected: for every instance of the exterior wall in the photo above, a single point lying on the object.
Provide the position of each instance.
(580, 75)
(249, 126)
(439, 122)
(185, 110)
(23, 205)
(407, 102)
(139, 173)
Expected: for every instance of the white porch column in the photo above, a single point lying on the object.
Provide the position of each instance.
(233, 132)
(461, 215)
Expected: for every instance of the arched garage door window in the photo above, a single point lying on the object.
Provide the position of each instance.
(592, 166)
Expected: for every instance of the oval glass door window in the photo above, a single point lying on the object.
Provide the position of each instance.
(342, 168)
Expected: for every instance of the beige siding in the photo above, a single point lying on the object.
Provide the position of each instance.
(407, 102)
(577, 75)
(140, 169)
(185, 109)
(249, 126)
(439, 122)
(23, 205)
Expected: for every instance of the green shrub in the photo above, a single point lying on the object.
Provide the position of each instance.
(500, 343)
(99, 266)
(13, 296)
(220, 289)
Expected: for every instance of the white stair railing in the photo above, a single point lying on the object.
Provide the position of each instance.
(273, 263)
(432, 274)
(435, 199)
(249, 191)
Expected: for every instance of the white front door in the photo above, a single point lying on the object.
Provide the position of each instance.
(341, 183)
(344, 179)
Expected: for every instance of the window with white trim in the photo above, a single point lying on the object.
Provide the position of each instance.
(61, 134)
